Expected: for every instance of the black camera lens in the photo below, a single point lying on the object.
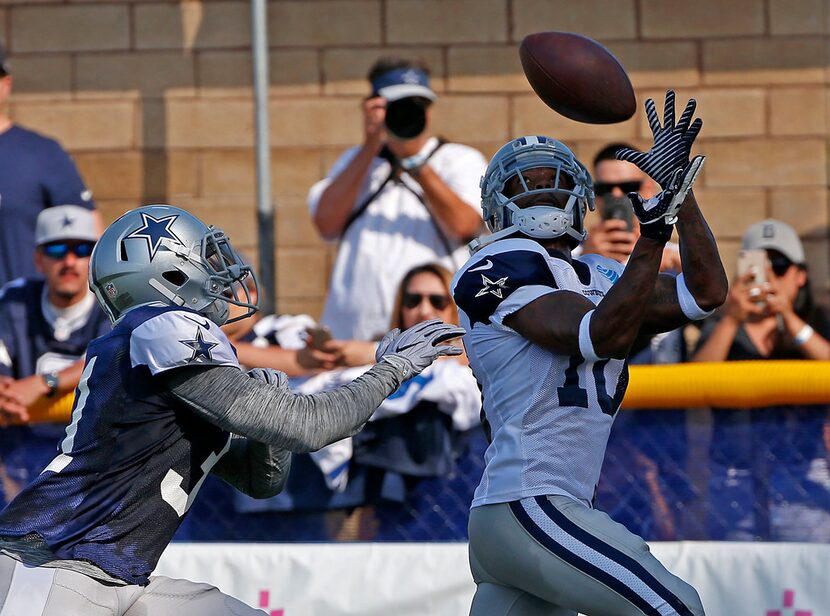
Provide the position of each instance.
(406, 118)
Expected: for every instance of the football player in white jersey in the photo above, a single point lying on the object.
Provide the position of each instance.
(547, 338)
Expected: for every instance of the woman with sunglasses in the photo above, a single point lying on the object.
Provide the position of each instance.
(766, 464)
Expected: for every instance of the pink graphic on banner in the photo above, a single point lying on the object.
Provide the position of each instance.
(265, 601)
(789, 602)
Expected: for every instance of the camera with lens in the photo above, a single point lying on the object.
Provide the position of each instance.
(406, 118)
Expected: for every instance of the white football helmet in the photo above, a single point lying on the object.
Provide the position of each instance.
(160, 254)
(504, 217)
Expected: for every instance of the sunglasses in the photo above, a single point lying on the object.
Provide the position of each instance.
(779, 264)
(59, 250)
(412, 300)
(604, 188)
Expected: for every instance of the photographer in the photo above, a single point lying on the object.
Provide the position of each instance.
(402, 198)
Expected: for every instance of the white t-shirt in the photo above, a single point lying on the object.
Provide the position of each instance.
(393, 235)
(548, 414)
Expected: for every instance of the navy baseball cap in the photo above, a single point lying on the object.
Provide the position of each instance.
(4, 64)
(403, 83)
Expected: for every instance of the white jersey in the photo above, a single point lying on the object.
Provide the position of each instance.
(548, 415)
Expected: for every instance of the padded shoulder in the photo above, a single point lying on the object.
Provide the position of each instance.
(177, 338)
(497, 272)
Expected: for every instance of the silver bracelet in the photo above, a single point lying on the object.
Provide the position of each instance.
(803, 335)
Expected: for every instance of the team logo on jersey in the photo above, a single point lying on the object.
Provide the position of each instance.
(608, 273)
(155, 230)
(201, 348)
(494, 287)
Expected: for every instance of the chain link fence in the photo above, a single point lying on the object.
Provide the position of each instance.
(701, 474)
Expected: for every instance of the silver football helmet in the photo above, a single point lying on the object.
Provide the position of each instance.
(160, 254)
(504, 217)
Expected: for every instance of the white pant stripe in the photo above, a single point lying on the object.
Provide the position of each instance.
(587, 553)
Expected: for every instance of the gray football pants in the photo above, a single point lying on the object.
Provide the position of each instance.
(552, 556)
(44, 591)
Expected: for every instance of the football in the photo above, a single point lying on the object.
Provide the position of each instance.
(577, 77)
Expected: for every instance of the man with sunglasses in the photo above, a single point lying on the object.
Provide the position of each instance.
(45, 327)
(616, 232)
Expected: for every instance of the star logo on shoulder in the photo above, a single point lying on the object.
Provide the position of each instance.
(155, 230)
(494, 287)
(200, 347)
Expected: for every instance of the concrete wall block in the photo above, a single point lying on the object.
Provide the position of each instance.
(170, 175)
(729, 211)
(458, 118)
(439, 21)
(766, 162)
(324, 23)
(210, 123)
(312, 306)
(802, 17)
(798, 111)
(41, 77)
(87, 27)
(532, 117)
(491, 68)
(764, 61)
(315, 121)
(295, 227)
(599, 19)
(726, 112)
(229, 73)
(705, 18)
(192, 25)
(228, 172)
(149, 74)
(86, 125)
(301, 272)
(661, 64)
(293, 171)
(345, 69)
(803, 208)
(112, 175)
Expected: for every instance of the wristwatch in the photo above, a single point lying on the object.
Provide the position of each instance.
(51, 379)
(412, 164)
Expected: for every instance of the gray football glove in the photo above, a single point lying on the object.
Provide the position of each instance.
(658, 215)
(672, 142)
(268, 375)
(417, 347)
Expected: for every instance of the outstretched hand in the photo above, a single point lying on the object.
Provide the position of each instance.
(417, 347)
(672, 142)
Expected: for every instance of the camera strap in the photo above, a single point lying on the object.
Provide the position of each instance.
(395, 169)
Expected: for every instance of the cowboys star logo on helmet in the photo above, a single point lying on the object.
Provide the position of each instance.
(154, 230)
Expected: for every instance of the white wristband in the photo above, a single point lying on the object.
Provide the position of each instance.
(687, 301)
(803, 335)
(586, 346)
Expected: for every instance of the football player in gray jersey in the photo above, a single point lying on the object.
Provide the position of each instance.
(161, 403)
(547, 337)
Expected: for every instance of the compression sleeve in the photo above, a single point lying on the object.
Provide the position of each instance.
(256, 469)
(272, 414)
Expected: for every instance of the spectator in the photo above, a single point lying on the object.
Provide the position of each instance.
(45, 327)
(618, 229)
(36, 174)
(407, 462)
(750, 498)
(402, 198)
(644, 483)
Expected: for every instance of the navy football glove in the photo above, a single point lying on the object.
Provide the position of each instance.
(414, 349)
(672, 142)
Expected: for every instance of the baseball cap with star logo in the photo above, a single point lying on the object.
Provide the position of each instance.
(65, 222)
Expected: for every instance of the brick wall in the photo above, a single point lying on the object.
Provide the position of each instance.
(154, 99)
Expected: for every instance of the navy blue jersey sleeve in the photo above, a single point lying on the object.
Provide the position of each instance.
(500, 284)
(63, 184)
(175, 339)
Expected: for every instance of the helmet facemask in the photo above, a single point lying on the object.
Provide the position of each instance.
(226, 281)
(571, 192)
